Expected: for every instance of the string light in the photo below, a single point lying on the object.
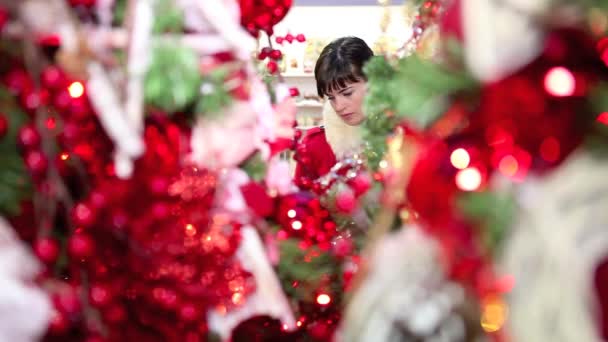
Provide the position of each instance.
(296, 225)
(560, 82)
(508, 166)
(76, 89)
(494, 314)
(323, 299)
(460, 158)
(468, 179)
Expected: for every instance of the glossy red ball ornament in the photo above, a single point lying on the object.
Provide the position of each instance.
(272, 67)
(295, 92)
(276, 54)
(84, 214)
(36, 162)
(361, 184)
(28, 137)
(100, 295)
(81, 246)
(67, 299)
(59, 323)
(262, 15)
(53, 78)
(47, 250)
(189, 312)
(3, 125)
(346, 201)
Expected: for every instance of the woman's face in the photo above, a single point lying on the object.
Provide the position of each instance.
(348, 102)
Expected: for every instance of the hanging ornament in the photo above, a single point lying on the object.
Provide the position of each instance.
(259, 15)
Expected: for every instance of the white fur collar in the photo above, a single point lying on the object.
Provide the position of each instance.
(342, 138)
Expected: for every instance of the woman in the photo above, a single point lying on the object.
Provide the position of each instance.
(340, 79)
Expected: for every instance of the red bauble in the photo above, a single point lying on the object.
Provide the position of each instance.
(3, 125)
(81, 246)
(100, 295)
(272, 67)
(19, 81)
(36, 162)
(276, 54)
(59, 324)
(346, 201)
(28, 137)
(262, 15)
(53, 78)
(67, 299)
(84, 214)
(361, 184)
(47, 250)
(294, 92)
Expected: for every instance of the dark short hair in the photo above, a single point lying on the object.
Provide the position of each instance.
(341, 62)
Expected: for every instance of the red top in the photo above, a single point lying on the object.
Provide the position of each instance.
(314, 156)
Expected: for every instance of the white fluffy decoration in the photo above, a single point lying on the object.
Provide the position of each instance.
(343, 139)
(25, 309)
(500, 36)
(560, 238)
(406, 295)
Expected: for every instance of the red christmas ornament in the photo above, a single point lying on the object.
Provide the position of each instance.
(361, 184)
(83, 215)
(276, 55)
(3, 125)
(295, 92)
(36, 162)
(28, 137)
(100, 295)
(59, 324)
(289, 38)
(47, 250)
(345, 201)
(272, 67)
(262, 15)
(53, 78)
(81, 246)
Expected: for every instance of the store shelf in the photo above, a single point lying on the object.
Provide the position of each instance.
(298, 75)
(309, 104)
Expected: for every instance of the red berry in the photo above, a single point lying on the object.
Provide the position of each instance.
(53, 78)
(289, 38)
(301, 38)
(47, 250)
(81, 246)
(272, 67)
(276, 54)
(36, 162)
(294, 91)
(28, 137)
(83, 214)
(345, 201)
(100, 295)
(279, 40)
(59, 324)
